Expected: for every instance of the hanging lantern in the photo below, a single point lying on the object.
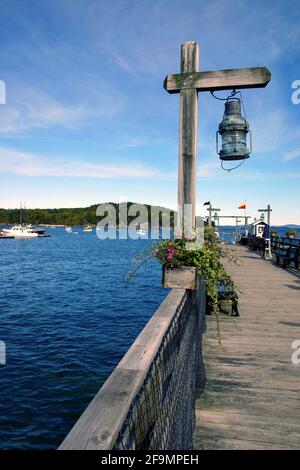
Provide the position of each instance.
(233, 130)
(215, 216)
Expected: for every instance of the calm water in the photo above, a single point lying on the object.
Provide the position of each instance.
(67, 317)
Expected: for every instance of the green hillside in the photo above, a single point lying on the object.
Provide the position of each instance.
(80, 215)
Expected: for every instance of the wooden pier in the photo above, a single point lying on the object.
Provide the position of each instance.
(251, 400)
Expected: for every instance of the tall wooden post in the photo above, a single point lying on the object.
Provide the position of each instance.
(269, 214)
(188, 126)
(211, 210)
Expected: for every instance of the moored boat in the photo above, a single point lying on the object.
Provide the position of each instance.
(21, 231)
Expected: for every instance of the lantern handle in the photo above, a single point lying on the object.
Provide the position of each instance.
(232, 94)
(232, 97)
(233, 168)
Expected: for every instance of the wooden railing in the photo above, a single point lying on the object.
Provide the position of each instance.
(140, 406)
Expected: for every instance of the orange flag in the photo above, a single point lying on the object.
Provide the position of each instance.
(242, 206)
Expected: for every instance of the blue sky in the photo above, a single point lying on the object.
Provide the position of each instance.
(87, 119)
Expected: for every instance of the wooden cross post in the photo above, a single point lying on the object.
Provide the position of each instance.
(215, 210)
(188, 83)
(268, 210)
(268, 248)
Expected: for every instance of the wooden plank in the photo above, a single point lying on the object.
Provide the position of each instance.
(202, 442)
(273, 435)
(253, 77)
(252, 396)
(188, 127)
(236, 418)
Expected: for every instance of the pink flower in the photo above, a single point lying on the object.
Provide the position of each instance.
(171, 250)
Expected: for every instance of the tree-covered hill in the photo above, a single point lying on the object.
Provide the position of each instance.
(78, 216)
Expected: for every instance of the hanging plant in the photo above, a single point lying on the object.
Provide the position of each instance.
(174, 254)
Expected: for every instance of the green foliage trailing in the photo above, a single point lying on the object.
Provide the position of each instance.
(175, 253)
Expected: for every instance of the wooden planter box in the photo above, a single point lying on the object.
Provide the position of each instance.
(180, 278)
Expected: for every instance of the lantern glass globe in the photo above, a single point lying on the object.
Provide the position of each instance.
(233, 130)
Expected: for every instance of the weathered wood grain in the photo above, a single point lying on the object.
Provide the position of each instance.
(188, 128)
(254, 77)
(252, 396)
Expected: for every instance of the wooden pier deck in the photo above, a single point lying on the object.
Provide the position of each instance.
(252, 396)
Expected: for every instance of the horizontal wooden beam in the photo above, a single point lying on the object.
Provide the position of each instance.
(234, 216)
(254, 77)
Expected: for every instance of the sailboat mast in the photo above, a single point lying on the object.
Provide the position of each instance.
(21, 214)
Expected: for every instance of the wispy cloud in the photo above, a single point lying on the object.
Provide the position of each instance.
(292, 155)
(133, 142)
(208, 169)
(122, 63)
(33, 109)
(28, 164)
(273, 129)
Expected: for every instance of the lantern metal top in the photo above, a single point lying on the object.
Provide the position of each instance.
(232, 118)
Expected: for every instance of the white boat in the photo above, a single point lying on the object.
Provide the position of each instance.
(140, 232)
(68, 229)
(87, 228)
(21, 231)
(24, 230)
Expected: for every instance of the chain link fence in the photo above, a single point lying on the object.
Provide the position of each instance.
(162, 414)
